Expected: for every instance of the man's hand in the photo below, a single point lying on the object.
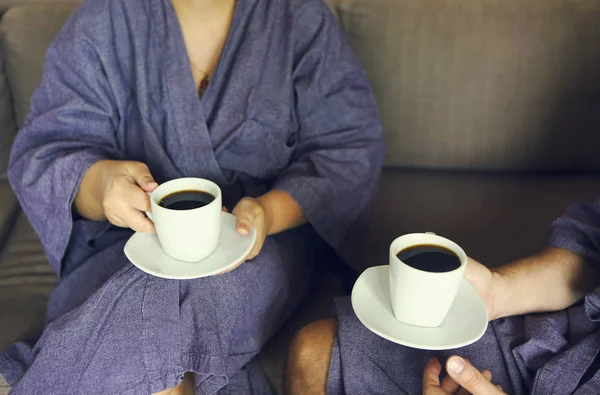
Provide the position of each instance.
(462, 379)
(487, 285)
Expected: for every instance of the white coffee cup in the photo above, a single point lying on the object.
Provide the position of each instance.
(187, 235)
(419, 297)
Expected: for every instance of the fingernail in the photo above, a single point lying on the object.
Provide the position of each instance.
(456, 365)
(243, 229)
(152, 184)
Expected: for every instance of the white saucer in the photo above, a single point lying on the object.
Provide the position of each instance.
(465, 323)
(145, 252)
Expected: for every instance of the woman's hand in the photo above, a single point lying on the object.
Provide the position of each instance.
(462, 379)
(116, 191)
(125, 198)
(250, 213)
(269, 214)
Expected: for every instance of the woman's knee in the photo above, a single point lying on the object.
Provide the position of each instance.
(313, 344)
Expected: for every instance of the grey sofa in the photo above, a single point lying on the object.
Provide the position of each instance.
(491, 112)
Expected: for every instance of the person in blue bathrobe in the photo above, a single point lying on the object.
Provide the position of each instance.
(263, 97)
(543, 338)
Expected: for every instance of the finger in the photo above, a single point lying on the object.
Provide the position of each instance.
(256, 249)
(431, 375)
(141, 175)
(137, 198)
(224, 209)
(499, 388)
(245, 212)
(468, 377)
(137, 221)
(115, 220)
(487, 374)
(252, 254)
(449, 385)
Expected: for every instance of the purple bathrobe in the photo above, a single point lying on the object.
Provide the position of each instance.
(542, 354)
(288, 107)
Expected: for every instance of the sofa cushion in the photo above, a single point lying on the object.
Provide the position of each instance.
(9, 207)
(485, 84)
(26, 281)
(27, 32)
(4, 388)
(8, 128)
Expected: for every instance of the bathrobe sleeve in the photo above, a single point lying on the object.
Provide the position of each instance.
(578, 230)
(70, 126)
(339, 146)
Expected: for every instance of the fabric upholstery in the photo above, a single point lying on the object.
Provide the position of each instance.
(26, 280)
(8, 128)
(7, 4)
(483, 84)
(9, 208)
(4, 388)
(27, 32)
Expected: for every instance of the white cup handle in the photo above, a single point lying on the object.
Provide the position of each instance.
(148, 213)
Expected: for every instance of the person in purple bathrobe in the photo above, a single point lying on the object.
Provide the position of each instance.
(543, 338)
(263, 97)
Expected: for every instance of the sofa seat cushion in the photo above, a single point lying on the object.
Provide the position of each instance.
(4, 388)
(26, 281)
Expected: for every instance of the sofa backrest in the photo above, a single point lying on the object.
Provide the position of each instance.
(25, 34)
(465, 84)
(483, 84)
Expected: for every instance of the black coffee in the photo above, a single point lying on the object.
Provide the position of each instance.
(430, 258)
(186, 200)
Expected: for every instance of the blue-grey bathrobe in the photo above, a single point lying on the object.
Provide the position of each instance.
(288, 107)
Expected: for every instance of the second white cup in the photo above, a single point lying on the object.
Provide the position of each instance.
(425, 273)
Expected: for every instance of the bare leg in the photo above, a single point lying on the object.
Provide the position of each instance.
(186, 387)
(309, 357)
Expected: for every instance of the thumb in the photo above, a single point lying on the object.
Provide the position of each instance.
(141, 175)
(244, 213)
(468, 377)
